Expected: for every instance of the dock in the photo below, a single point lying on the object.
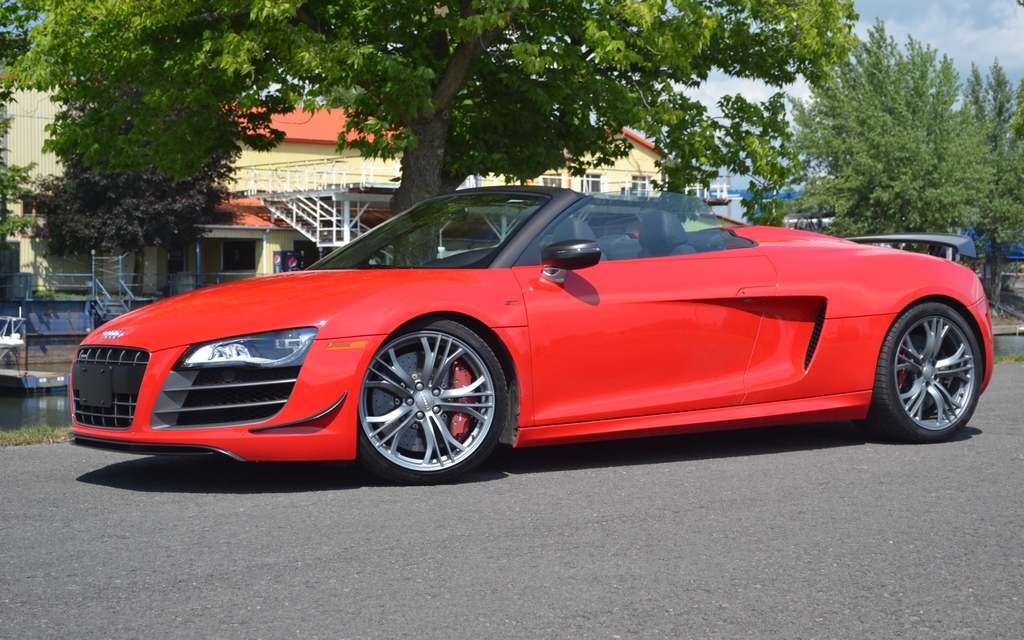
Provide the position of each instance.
(1008, 330)
(32, 380)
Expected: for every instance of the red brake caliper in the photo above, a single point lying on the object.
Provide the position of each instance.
(459, 425)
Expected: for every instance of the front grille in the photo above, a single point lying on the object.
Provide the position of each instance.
(223, 396)
(105, 383)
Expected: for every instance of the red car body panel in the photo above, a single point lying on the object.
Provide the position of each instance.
(624, 348)
(684, 333)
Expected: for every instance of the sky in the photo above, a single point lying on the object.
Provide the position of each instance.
(976, 31)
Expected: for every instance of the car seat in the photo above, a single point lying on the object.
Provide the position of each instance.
(661, 234)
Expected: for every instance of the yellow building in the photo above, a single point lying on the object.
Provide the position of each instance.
(297, 201)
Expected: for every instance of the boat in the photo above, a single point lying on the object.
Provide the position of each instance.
(12, 333)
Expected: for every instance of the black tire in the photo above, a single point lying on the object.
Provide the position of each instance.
(928, 377)
(415, 425)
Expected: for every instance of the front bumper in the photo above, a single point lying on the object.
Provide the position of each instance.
(318, 422)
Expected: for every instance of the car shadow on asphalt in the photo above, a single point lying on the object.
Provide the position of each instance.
(683, 448)
(221, 475)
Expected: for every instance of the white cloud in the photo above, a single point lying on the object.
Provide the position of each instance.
(966, 32)
(719, 85)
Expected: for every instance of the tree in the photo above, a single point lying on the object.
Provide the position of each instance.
(1000, 203)
(15, 21)
(127, 210)
(883, 144)
(510, 87)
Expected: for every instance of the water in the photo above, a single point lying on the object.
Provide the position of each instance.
(46, 409)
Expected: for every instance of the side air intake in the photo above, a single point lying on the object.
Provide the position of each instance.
(815, 335)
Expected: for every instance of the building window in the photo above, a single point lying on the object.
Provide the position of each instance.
(175, 261)
(640, 185)
(551, 181)
(238, 255)
(592, 183)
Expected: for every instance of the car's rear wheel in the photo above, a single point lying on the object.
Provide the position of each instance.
(928, 378)
(432, 405)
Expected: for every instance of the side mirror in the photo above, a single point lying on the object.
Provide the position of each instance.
(568, 254)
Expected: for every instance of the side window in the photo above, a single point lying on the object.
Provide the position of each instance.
(630, 227)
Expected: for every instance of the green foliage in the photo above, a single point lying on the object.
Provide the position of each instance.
(127, 210)
(15, 22)
(999, 222)
(884, 146)
(10, 226)
(14, 181)
(512, 87)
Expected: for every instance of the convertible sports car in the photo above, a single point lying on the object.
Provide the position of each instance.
(534, 316)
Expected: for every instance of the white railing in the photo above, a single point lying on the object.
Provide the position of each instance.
(303, 193)
(325, 221)
(314, 175)
(717, 190)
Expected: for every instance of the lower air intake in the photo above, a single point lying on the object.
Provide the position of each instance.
(223, 396)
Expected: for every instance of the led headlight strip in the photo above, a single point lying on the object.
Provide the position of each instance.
(286, 348)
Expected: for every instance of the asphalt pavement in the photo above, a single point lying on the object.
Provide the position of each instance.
(790, 532)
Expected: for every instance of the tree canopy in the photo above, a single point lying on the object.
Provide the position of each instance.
(15, 21)
(127, 210)
(510, 87)
(884, 145)
(999, 223)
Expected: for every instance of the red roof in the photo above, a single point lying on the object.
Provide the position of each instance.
(637, 138)
(249, 212)
(321, 127)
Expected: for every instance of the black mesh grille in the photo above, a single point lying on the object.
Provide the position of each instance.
(234, 414)
(105, 383)
(815, 335)
(238, 395)
(227, 395)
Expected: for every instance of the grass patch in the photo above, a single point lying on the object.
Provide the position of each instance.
(34, 435)
(1013, 358)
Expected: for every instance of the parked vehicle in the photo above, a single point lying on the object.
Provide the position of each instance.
(536, 316)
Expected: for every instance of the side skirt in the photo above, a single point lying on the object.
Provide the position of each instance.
(845, 406)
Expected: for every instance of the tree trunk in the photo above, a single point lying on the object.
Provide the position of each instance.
(140, 268)
(423, 174)
(996, 282)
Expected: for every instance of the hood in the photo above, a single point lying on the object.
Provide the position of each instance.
(264, 303)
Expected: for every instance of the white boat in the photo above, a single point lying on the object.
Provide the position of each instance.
(12, 333)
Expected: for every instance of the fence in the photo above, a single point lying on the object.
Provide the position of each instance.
(67, 286)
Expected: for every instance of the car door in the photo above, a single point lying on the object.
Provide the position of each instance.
(644, 336)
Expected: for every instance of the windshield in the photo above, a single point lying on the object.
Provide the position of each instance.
(461, 231)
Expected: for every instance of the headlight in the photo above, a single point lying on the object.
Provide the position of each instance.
(272, 349)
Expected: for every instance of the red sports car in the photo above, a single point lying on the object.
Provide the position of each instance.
(536, 316)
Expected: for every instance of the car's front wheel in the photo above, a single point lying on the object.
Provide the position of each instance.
(928, 378)
(432, 405)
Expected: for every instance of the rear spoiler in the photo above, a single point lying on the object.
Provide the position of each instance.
(961, 244)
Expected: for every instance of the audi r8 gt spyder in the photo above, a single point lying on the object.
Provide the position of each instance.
(532, 316)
